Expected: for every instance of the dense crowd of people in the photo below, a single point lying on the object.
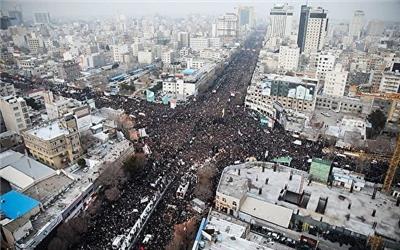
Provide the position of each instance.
(213, 125)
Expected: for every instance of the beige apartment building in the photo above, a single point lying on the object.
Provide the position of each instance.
(55, 144)
(15, 113)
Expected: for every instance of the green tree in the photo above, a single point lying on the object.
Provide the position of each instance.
(129, 87)
(33, 104)
(378, 120)
(81, 162)
(135, 164)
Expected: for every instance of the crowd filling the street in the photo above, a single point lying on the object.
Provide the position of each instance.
(213, 128)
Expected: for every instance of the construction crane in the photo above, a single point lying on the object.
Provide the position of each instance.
(395, 160)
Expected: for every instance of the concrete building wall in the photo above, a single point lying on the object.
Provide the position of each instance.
(7, 89)
(145, 57)
(199, 43)
(15, 114)
(58, 151)
(325, 63)
(280, 19)
(390, 83)
(357, 24)
(335, 82)
(288, 58)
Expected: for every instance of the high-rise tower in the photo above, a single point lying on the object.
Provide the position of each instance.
(313, 28)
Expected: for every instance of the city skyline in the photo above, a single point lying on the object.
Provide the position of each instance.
(203, 125)
(89, 9)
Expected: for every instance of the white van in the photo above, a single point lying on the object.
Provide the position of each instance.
(117, 242)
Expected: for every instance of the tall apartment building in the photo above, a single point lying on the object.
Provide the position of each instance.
(288, 58)
(55, 144)
(246, 17)
(69, 70)
(57, 108)
(16, 17)
(227, 27)
(6, 89)
(119, 51)
(313, 29)
(357, 24)
(390, 82)
(34, 43)
(335, 81)
(325, 62)
(42, 18)
(167, 57)
(15, 113)
(375, 28)
(280, 21)
(183, 39)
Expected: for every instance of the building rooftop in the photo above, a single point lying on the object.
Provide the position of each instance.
(293, 79)
(282, 191)
(60, 191)
(227, 242)
(188, 71)
(12, 99)
(223, 223)
(48, 132)
(14, 205)
(222, 232)
(22, 171)
(47, 189)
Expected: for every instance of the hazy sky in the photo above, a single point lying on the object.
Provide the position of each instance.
(338, 9)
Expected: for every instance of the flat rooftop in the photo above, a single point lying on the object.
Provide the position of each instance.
(227, 224)
(227, 242)
(15, 204)
(49, 131)
(70, 188)
(229, 234)
(48, 188)
(361, 221)
(21, 170)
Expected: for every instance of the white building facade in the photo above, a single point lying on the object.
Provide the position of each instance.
(325, 63)
(312, 29)
(145, 57)
(280, 21)
(390, 82)
(357, 24)
(289, 58)
(15, 113)
(199, 43)
(335, 82)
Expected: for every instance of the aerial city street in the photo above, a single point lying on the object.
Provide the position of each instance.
(246, 125)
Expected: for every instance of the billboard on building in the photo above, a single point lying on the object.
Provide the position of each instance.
(165, 99)
(295, 90)
(150, 96)
(267, 121)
